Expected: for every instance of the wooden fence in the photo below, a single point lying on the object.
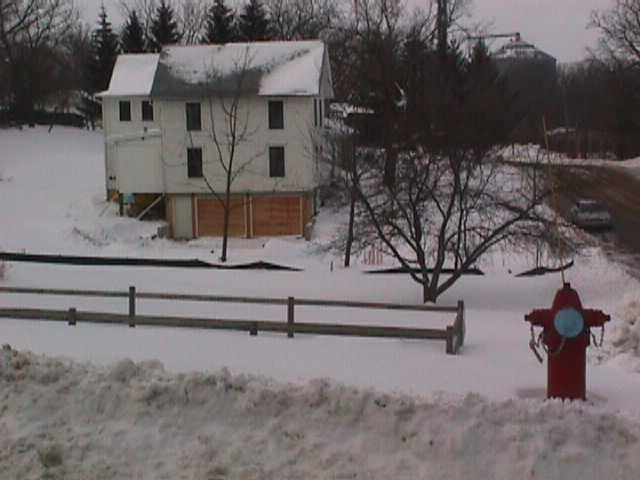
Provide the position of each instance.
(453, 334)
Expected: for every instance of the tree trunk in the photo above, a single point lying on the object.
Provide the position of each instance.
(352, 211)
(429, 293)
(390, 164)
(225, 227)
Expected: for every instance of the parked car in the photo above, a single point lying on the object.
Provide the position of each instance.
(590, 215)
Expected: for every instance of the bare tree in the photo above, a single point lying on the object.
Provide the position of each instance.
(620, 30)
(145, 10)
(302, 19)
(447, 211)
(30, 34)
(451, 200)
(230, 129)
(192, 17)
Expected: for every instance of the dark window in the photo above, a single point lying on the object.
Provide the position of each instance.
(194, 162)
(276, 161)
(193, 117)
(125, 111)
(276, 114)
(315, 112)
(320, 104)
(147, 111)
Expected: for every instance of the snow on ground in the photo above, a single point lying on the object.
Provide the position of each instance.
(71, 421)
(534, 153)
(386, 409)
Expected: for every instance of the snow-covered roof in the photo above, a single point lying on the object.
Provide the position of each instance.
(518, 48)
(266, 68)
(343, 110)
(133, 75)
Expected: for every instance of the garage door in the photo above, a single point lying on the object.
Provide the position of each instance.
(211, 218)
(276, 216)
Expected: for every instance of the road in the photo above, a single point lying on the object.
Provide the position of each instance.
(619, 190)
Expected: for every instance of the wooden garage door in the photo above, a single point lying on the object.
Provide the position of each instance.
(211, 218)
(276, 216)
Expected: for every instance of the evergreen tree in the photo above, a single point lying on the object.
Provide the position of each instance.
(132, 38)
(164, 27)
(221, 26)
(253, 24)
(104, 51)
(98, 66)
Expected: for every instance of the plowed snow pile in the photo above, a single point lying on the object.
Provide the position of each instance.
(625, 339)
(64, 420)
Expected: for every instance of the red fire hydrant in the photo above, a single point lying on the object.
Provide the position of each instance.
(565, 336)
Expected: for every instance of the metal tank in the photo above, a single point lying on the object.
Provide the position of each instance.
(532, 78)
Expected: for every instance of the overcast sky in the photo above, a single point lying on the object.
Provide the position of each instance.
(558, 27)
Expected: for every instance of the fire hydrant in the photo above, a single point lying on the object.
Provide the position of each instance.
(566, 334)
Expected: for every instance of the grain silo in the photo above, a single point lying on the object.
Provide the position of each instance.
(531, 76)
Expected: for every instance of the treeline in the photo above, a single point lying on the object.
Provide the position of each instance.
(384, 57)
(596, 103)
(51, 59)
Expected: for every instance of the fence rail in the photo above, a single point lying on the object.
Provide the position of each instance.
(453, 334)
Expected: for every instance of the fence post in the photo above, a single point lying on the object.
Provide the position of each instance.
(72, 316)
(290, 320)
(450, 334)
(132, 306)
(462, 325)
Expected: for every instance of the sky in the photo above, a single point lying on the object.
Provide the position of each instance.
(559, 27)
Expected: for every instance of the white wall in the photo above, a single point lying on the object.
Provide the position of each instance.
(111, 116)
(252, 155)
(131, 157)
(138, 167)
(153, 165)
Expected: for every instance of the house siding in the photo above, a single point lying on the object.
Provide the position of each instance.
(133, 165)
(300, 168)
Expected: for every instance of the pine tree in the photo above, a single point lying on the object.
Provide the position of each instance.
(99, 66)
(164, 28)
(221, 26)
(132, 38)
(253, 24)
(104, 51)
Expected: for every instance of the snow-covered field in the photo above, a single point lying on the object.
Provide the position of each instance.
(256, 407)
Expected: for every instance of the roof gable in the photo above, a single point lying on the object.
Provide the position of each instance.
(262, 68)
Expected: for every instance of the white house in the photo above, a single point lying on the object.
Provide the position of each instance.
(166, 123)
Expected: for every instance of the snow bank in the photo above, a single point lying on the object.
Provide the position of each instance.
(624, 344)
(73, 421)
(532, 153)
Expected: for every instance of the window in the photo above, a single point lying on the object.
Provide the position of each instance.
(276, 114)
(125, 111)
(276, 161)
(193, 117)
(147, 111)
(321, 116)
(194, 162)
(315, 112)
